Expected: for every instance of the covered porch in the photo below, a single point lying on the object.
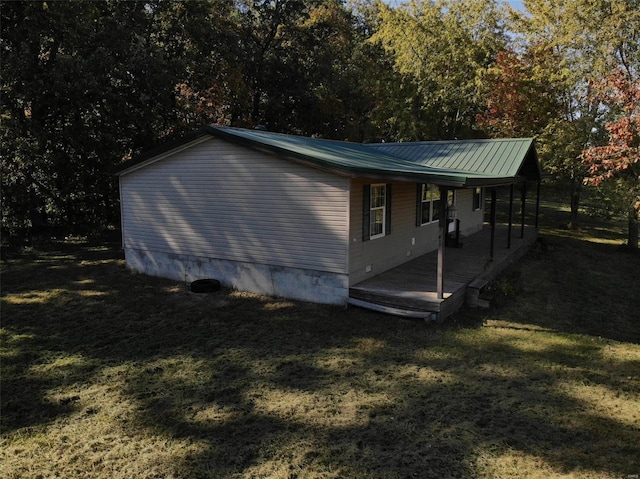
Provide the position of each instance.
(411, 289)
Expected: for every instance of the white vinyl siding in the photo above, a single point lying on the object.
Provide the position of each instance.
(406, 241)
(220, 200)
(470, 220)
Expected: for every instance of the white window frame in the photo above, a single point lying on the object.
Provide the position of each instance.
(374, 209)
(428, 203)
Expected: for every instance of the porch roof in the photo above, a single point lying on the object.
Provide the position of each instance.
(410, 163)
(504, 157)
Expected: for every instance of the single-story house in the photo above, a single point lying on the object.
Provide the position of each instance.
(305, 218)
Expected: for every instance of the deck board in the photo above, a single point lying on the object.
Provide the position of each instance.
(412, 285)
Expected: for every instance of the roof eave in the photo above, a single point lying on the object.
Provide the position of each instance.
(530, 167)
(341, 170)
(155, 153)
(495, 182)
(459, 180)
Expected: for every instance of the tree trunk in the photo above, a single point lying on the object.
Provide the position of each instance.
(576, 189)
(632, 239)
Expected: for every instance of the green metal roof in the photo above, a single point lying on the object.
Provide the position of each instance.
(498, 157)
(472, 165)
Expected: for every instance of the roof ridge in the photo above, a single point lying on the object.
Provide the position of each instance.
(287, 135)
(431, 142)
(359, 159)
(243, 133)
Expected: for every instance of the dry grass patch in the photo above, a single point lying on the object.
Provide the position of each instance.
(109, 374)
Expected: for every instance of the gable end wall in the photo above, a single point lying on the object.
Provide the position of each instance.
(254, 221)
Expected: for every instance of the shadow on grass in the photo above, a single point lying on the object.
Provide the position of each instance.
(420, 410)
(583, 281)
(273, 388)
(578, 287)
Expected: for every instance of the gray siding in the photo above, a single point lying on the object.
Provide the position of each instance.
(406, 241)
(220, 200)
(394, 249)
(470, 220)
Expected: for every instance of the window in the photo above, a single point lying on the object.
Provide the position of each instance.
(477, 198)
(428, 204)
(376, 221)
(378, 207)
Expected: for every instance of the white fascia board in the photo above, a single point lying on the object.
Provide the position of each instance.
(165, 155)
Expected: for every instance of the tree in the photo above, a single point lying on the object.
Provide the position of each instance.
(316, 94)
(525, 99)
(587, 39)
(619, 160)
(303, 63)
(266, 33)
(441, 48)
(204, 37)
(519, 101)
(351, 81)
(84, 86)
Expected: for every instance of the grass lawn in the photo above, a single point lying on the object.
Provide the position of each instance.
(109, 374)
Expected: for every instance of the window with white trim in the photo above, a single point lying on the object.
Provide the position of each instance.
(376, 211)
(377, 218)
(429, 204)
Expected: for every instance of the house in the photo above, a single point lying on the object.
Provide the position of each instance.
(305, 218)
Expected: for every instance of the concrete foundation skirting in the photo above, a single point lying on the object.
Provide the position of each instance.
(279, 281)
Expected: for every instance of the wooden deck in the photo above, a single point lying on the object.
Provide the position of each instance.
(410, 289)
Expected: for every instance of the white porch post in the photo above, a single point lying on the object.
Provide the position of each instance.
(441, 237)
(524, 205)
(493, 222)
(510, 216)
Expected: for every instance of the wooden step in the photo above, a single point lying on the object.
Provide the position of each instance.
(477, 295)
(405, 313)
(485, 298)
(396, 299)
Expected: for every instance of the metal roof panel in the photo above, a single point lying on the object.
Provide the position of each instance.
(455, 163)
(497, 157)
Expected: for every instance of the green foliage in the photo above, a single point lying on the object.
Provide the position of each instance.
(308, 69)
(585, 40)
(509, 285)
(441, 49)
(87, 85)
(604, 201)
(520, 102)
(84, 85)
